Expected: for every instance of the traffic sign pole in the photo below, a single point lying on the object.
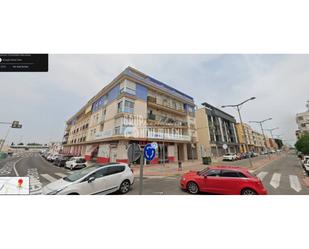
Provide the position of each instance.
(141, 172)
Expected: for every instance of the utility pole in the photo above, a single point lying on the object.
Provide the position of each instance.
(242, 125)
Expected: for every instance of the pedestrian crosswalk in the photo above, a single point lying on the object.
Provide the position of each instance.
(48, 177)
(60, 174)
(275, 180)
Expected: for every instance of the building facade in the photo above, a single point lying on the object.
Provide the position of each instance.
(302, 120)
(256, 141)
(215, 128)
(133, 108)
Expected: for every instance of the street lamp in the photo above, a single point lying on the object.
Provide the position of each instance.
(261, 125)
(241, 123)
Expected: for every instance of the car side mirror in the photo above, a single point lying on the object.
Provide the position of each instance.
(205, 176)
(91, 179)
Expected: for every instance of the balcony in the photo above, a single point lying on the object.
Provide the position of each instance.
(152, 102)
(158, 120)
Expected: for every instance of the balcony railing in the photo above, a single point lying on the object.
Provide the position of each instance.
(152, 100)
(167, 120)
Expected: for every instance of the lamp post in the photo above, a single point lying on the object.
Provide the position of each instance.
(241, 123)
(261, 125)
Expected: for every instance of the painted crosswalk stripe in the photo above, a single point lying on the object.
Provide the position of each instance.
(294, 183)
(60, 174)
(275, 180)
(262, 175)
(48, 177)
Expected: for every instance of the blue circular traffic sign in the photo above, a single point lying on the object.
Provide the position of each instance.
(149, 152)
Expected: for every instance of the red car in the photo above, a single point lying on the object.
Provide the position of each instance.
(227, 180)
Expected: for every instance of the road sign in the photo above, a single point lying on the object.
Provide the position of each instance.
(149, 152)
(134, 153)
(154, 145)
(224, 146)
(16, 124)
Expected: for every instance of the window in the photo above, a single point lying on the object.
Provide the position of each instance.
(229, 173)
(213, 172)
(98, 174)
(115, 169)
(241, 175)
(128, 87)
(117, 130)
(119, 107)
(128, 106)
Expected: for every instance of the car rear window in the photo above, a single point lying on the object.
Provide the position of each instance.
(232, 173)
(115, 169)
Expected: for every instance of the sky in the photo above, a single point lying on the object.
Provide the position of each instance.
(43, 101)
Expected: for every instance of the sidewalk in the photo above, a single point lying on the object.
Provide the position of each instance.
(171, 169)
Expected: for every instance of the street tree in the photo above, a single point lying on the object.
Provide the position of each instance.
(302, 144)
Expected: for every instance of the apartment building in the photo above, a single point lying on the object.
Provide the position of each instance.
(259, 142)
(302, 120)
(215, 128)
(133, 108)
(255, 140)
(245, 137)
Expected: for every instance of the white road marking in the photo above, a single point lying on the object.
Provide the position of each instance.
(48, 177)
(275, 180)
(294, 183)
(262, 175)
(14, 166)
(60, 174)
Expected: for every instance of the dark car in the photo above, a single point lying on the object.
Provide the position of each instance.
(60, 161)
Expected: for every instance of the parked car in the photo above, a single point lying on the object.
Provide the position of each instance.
(75, 163)
(238, 156)
(222, 180)
(60, 161)
(229, 157)
(53, 157)
(305, 163)
(49, 157)
(105, 179)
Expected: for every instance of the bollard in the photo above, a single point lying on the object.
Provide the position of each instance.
(179, 165)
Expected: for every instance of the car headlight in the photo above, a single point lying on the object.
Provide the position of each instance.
(183, 178)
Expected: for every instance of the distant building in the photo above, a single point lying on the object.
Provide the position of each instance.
(302, 120)
(215, 128)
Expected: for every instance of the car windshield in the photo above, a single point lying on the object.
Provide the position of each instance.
(80, 173)
(203, 171)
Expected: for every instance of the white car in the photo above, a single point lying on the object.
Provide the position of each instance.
(76, 163)
(103, 179)
(305, 163)
(229, 157)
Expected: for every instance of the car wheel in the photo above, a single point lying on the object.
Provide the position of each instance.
(192, 188)
(248, 191)
(124, 187)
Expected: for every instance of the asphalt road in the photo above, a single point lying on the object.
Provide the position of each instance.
(284, 176)
(281, 177)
